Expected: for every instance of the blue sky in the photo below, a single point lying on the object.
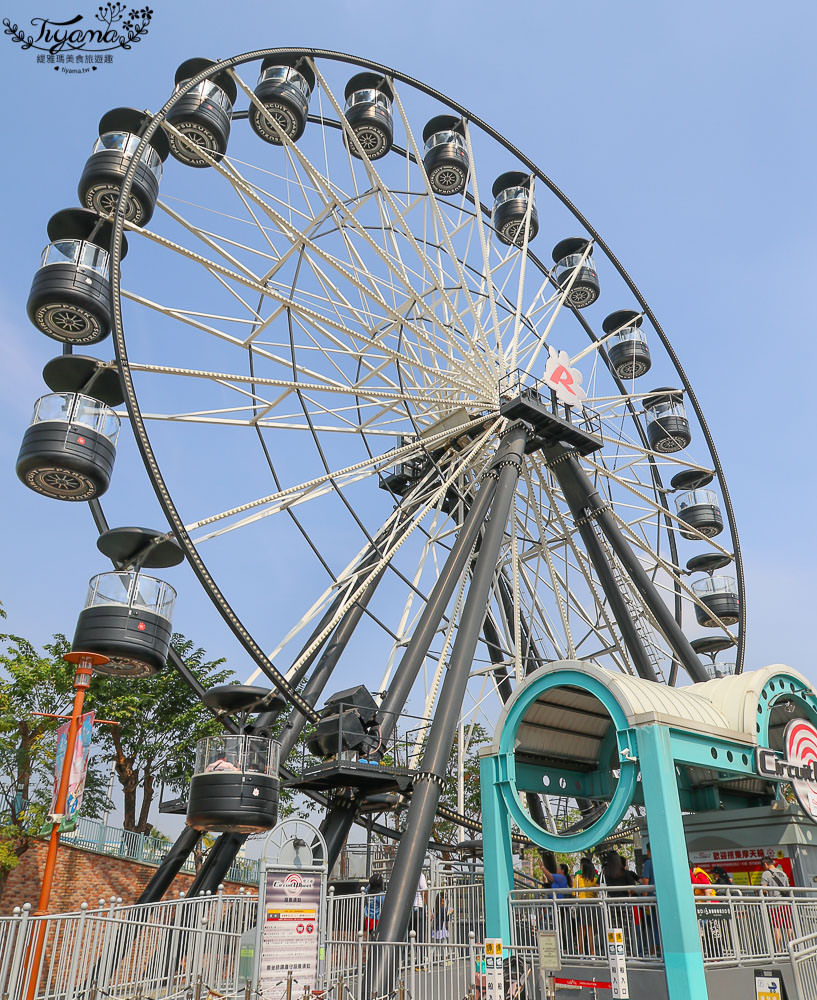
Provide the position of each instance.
(683, 132)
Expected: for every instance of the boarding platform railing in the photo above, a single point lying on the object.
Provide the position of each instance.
(803, 955)
(173, 949)
(739, 924)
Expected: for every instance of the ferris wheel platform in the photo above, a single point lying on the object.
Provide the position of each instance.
(369, 779)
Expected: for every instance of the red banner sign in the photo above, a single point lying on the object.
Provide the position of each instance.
(589, 983)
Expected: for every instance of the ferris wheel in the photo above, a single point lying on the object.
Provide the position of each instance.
(344, 295)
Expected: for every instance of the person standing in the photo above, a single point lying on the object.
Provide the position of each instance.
(701, 882)
(418, 911)
(649, 918)
(773, 881)
(584, 911)
(647, 876)
(372, 904)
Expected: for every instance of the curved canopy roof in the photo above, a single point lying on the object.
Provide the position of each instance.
(568, 723)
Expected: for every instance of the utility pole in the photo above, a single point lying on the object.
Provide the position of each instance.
(85, 663)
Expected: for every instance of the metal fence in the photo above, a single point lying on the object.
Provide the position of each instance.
(582, 923)
(737, 925)
(173, 949)
(430, 970)
(452, 913)
(205, 946)
(94, 835)
(803, 954)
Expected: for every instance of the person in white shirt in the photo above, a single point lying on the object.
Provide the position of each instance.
(418, 912)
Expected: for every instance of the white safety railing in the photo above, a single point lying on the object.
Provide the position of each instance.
(413, 970)
(737, 925)
(803, 954)
(451, 913)
(170, 949)
(582, 922)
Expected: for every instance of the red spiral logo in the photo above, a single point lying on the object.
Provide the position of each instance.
(801, 748)
(294, 883)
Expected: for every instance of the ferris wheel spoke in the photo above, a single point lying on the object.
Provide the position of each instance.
(657, 508)
(398, 215)
(209, 241)
(317, 321)
(320, 485)
(357, 389)
(315, 251)
(347, 214)
(440, 226)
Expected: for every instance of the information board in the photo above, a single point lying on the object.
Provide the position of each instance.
(290, 935)
(494, 980)
(619, 985)
(769, 985)
(549, 960)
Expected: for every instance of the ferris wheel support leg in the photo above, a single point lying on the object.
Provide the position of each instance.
(216, 864)
(503, 684)
(170, 866)
(578, 492)
(423, 635)
(428, 785)
(584, 501)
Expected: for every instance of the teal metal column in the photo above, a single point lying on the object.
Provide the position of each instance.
(683, 959)
(497, 852)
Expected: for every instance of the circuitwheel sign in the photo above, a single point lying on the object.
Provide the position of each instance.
(799, 766)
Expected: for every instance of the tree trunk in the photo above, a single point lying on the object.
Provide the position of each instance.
(144, 825)
(129, 780)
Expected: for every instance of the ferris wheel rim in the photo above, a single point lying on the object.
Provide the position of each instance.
(134, 411)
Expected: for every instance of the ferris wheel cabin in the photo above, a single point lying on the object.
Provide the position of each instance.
(368, 110)
(667, 425)
(710, 646)
(445, 156)
(567, 255)
(119, 136)
(69, 448)
(700, 510)
(202, 116)
(127, 617)
(513, 192)
(235, 785)
(284, 87)
(628, 352)
(69, 297)
(719, 597)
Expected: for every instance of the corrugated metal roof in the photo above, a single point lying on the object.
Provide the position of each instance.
(573, 722)
(737, 697)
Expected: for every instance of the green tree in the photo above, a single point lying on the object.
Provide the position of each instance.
(160, 720)
(32, 682)
(444, 830)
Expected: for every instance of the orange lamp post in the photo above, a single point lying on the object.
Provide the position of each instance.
(85, 663)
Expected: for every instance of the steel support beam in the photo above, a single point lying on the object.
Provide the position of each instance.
(399, 898)
(578, 492)
(171, 866)
(571, 476)
(339, 820)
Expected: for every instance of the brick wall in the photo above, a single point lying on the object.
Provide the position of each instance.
(83, 876)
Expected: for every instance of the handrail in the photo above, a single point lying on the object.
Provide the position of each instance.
(114, 841)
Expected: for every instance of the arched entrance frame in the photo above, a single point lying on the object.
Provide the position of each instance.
(655, 730)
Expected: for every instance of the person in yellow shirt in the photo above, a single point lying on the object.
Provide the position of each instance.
(585, 879)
